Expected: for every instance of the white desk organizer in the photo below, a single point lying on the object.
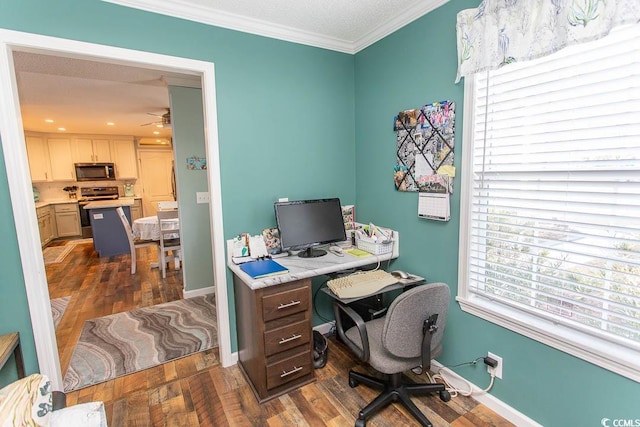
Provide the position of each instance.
(375, 247)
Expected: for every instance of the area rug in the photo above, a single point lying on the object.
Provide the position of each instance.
(56, 254)
(123, 343)
(58, 306)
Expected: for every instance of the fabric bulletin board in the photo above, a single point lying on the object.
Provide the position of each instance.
(424, 154)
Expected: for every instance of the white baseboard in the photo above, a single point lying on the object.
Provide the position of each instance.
(199, 292)
(498, 406)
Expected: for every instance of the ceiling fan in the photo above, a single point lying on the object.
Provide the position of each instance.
(163, 122)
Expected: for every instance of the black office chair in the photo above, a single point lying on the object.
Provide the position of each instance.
(409, 336)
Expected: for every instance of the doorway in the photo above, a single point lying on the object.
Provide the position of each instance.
(19, 180)
(158, 178)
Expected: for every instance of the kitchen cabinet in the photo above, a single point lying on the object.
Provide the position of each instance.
(136, 210)
(38, 154)
(87, 150)
(124, 156)
(61, 159)
(45, 225)
(67, 220)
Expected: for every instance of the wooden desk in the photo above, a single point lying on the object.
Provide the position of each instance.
(10, 343)
(274, 321)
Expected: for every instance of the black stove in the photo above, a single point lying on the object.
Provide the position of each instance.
(91, 194)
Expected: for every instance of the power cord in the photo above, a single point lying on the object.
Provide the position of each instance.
(315, 308)
(440, 375)
(454, 391)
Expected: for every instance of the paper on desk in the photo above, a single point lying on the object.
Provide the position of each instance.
(358, 252)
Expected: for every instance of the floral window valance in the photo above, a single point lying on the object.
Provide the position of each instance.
(499, 32)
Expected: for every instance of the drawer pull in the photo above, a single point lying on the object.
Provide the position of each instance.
(293, 371)
(291, 338)
(291, 304)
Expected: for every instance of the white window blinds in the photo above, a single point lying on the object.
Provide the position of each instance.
(555, 209)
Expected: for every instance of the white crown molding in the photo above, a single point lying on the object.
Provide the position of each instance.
(409, 15)
(218, 18)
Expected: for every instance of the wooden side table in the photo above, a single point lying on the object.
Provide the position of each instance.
(10, 343)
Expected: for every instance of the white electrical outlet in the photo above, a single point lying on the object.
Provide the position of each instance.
(497, 371)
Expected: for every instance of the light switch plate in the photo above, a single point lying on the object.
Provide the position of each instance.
(202, 197)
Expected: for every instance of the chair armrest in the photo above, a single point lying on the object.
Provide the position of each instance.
(338, 309)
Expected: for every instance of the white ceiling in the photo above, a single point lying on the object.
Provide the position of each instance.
(82, 95)
(342, 25)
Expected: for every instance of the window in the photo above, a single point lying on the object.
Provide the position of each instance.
(550, 214)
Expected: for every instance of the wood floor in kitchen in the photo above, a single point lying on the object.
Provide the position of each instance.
(197, 390)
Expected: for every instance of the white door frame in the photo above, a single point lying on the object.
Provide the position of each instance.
(20, 187)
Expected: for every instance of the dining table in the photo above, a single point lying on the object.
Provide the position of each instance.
(148, 228)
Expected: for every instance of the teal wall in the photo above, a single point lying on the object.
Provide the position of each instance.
(14, 311)
(188, 139)
(412, 67)
(285, 119)
(288, 116)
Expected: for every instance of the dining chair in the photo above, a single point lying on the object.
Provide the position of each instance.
(169, 237)
(167, 205)
(133, 242)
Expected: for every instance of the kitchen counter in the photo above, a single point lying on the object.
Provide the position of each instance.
(43, 203)
(106, 204)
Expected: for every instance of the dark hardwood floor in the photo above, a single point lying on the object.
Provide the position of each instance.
(196, 390)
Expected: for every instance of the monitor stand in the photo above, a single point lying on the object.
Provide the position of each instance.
(312, 253)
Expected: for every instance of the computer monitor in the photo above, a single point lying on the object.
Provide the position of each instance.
(304, 224)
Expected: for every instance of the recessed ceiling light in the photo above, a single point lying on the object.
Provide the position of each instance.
(62, 129)
(110, 124)
(155, 132)
(159, 126)
(48, 120)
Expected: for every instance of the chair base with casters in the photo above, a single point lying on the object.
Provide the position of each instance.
(395, 390)
(408, 336)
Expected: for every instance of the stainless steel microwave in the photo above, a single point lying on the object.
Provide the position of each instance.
(95, 172)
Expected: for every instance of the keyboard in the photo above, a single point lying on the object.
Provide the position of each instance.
(361, 284)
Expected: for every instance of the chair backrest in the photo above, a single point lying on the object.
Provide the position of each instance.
(402, 330)
(169, 227)
(167, 205)
(127, 227)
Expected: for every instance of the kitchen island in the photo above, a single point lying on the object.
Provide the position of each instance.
(109, 236)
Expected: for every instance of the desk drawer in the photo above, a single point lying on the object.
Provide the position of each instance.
(286, 337)
(288, 370)
(285, 303)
